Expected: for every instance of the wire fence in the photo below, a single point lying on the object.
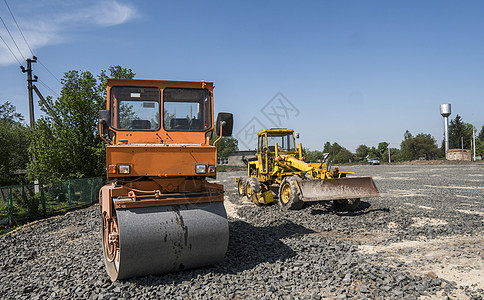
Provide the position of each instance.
(27, 202)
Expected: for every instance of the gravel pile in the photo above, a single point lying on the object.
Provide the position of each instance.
(312, 253)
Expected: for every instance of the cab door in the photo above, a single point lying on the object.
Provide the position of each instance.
(262, 154)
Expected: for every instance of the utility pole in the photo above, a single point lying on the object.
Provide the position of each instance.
(474, 141)
(31, 89)
(31, 94)
(462, 145)
(31, 108)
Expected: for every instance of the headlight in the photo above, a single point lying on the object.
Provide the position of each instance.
(124, 169)
(200, 169)
(112, 169)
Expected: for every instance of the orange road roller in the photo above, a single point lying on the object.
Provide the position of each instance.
(159, 212)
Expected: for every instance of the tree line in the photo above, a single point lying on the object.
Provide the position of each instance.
(420, 146)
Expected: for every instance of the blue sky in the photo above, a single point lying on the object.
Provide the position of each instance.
(352, 72)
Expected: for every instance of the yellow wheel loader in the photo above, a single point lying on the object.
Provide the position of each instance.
(280, 164)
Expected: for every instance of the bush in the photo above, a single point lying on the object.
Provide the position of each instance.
(28, 202)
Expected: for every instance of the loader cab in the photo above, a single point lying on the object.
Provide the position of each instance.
(268, 140)
(284, 142)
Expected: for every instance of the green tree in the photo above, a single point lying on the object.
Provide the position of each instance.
(361, 152)
(312, 156)
(343, 156)
(422, 145)
(481, 134)
(441, 150)
(374, 153)
(479, 147)
(382, 147)
(68, 145)
(459, 132)
(394, 155)
(338, 154)
(480, 143)
(327, 147)
(225, 146)
(114, 72)
(14, 141)
(407, 146)
(8, 113)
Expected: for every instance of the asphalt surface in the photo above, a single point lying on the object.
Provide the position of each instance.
(422, 238)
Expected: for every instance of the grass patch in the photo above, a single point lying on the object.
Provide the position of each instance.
(7, 230)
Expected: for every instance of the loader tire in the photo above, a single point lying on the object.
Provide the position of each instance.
(347, 204)
(241, 186)
(253, 189)
(288, 194)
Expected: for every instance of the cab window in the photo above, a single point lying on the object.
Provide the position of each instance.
(135, 108)
(186, 109)
(285, 142)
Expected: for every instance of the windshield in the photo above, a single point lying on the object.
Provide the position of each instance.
(135, 108)
(285, 142)
(186, 109)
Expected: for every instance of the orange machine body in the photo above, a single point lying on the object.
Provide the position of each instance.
(157, 164)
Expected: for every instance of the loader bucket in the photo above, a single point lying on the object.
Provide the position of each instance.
(338, 188)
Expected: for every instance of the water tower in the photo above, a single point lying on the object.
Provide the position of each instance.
(445, 112)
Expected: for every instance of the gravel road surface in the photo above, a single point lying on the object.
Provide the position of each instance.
(422, 239)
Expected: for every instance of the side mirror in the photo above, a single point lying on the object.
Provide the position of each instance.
(104, 120)
(296, 134)
(227, 122)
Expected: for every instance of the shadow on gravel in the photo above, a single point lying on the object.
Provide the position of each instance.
(249, 246)
(363, 209)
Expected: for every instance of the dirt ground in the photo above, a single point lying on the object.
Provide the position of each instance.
(458, 258)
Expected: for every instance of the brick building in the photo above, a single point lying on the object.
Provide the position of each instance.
(459, 154)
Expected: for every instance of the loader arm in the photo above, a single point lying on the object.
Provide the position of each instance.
(295, 163)
(315, 170)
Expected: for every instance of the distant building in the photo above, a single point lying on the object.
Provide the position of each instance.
(459, 154)
(238, 158)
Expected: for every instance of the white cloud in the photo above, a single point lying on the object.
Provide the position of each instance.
(102, 13)
(49, 22)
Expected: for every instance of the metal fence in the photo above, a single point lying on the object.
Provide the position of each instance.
(26, 202)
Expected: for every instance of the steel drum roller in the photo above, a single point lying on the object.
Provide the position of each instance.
(164, 239)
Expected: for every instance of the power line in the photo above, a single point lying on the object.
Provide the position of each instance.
(15, 43)
(10, 50)
(47, 87)
(48, 71)
(23, 36)
(18, 27)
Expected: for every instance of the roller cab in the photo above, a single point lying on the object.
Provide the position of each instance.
(159, 213)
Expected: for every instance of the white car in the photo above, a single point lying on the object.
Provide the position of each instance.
(373, 161)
